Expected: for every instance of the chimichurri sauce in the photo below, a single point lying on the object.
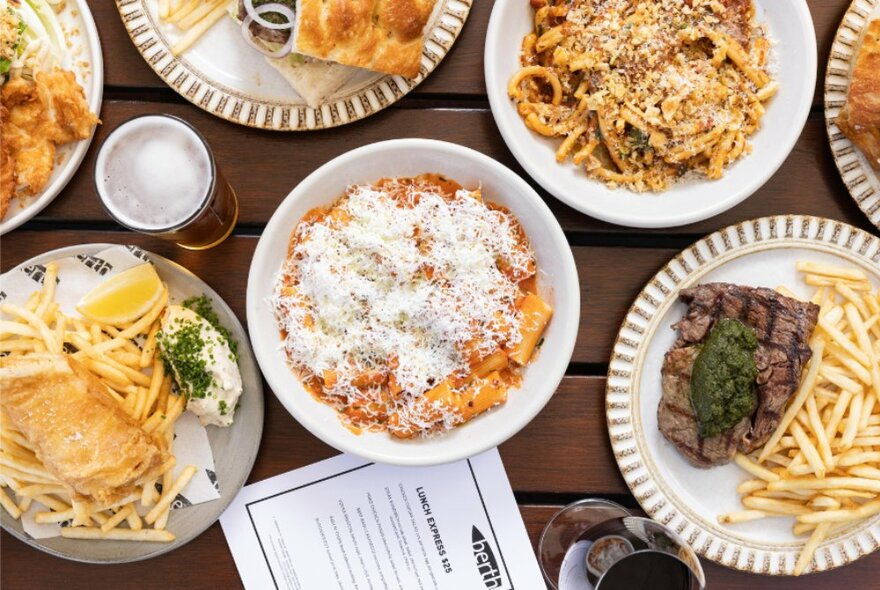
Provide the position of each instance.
(723, 379)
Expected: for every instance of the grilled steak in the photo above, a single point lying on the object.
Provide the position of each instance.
(677, 419)
(783, 327)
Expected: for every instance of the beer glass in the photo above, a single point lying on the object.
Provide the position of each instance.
(155, 174)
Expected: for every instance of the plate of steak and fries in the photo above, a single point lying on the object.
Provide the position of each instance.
(743, 395)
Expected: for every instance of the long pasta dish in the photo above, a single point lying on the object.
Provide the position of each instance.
(642, 93)
(409, 305)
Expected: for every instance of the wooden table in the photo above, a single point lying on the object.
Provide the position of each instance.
(564, 453)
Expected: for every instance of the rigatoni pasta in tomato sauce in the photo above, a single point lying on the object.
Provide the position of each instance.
(409, 305)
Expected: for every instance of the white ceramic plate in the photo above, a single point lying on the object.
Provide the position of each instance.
(789, 24)
(860, 179)
(763, 253)
(557, 283)
(235, 448)
(84, 59)
(226, 77)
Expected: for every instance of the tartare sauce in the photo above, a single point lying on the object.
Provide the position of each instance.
(203, 365)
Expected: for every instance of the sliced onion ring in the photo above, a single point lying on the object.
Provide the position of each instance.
(254, 13)
(248, 36)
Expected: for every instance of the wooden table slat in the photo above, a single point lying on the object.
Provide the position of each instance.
(265, 167)
(207, 563)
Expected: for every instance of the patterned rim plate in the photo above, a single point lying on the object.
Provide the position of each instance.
(222, 75)
(235, 448)
(861, 180)
(761, 252)
(84, 59)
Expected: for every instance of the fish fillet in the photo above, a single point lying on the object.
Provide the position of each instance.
(76, 428)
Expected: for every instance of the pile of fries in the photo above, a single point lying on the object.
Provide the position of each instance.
(192, 17)
(822, 464)
(134, 376)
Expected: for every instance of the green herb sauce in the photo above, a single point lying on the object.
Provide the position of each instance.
(723, 379)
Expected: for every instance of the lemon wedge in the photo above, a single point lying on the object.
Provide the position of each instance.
(123, 298)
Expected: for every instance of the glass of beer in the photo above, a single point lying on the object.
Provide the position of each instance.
(155, 174)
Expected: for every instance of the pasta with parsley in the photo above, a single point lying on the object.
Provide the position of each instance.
(643, 93)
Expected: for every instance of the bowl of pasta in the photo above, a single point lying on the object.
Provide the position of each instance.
(413, 302)
(651, 115)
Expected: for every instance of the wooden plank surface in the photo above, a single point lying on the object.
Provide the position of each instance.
(206, 563)
(264, 167)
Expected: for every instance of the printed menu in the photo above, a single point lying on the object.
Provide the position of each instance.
(348, 523)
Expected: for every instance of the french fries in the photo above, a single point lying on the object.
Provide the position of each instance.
(133, 375)
(822, 464)
(192, 17)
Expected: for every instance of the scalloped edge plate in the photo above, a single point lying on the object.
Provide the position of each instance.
(862, 181)
(355, 101)
(651, 467)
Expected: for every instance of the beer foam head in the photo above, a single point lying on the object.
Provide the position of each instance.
(153, 173)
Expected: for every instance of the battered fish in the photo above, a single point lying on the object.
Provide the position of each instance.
(77, 430)
(41, 114)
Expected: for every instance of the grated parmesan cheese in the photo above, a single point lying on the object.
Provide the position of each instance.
(405, 281)
(648, 91)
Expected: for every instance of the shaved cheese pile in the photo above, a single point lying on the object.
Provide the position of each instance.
(405, 281)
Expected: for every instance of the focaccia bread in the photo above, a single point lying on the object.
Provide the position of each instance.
(860, 117)
(381, 35)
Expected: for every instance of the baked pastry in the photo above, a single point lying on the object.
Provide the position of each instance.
(859, 119)
(381, 35)
(79, 433)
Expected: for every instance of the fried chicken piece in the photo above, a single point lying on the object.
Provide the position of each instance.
(27, 134)
(7, 167)
(42, 114)
(73, 121)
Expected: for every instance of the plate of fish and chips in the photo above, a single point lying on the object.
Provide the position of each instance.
(51, 85)
(742, 397)
(123, 434)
